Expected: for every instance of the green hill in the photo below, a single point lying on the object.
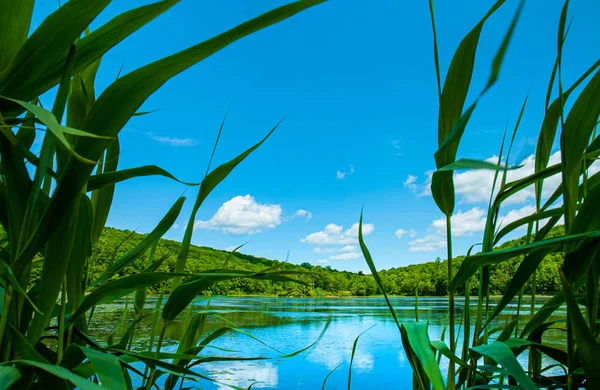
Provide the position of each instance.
(431, 277)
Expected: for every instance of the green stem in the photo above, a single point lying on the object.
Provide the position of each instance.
(450, 303)
(153, 331)
(417, 302)
(5, 311)
(61, 321)
(467, 320)
(163, 327)
(519, 302)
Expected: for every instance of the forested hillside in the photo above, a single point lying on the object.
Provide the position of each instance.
(431, 277)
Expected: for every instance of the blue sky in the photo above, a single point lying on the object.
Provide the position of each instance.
(358, 82)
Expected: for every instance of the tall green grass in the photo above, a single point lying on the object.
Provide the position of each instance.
(54, 205)
(487, 360)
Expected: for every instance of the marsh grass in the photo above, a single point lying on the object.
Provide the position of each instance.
(54, 204)
(487, 360)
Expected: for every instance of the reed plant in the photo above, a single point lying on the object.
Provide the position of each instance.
(489, 357)
(54, 204)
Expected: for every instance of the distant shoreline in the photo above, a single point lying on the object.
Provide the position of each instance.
(528, 297)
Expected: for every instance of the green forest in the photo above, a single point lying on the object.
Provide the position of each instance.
(431, 278)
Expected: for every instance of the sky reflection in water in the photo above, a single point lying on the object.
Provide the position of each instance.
(290, 324)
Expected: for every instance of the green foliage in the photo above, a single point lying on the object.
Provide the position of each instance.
(54, 206)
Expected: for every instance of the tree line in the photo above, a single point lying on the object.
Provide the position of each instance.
(428, 279)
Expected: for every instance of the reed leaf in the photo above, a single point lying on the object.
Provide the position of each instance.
(9, 376)
(58, 372)
(56, 260)
(472, 263)
(93, 46)
(501, 353)
(352, 354)
(109, 178)
(185, 293)
(107, 367)
(116, 289)
(48, 43)
(59, 131)
(163, 226)
(469, 164)
(417, 347)
(16, 17)
(587, 346)
(208, 184)
(328, 375)
(550, 123)
(24, 349)
(102, 197)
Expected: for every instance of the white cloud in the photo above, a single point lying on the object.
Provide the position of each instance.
(410, 183)
(172, 141)
(346, 256)
(347, 248)
(332, 228)
(516, 214)
(402, 232)
(419, 189)
(243, 215)
(429, 243)
(475, 186)
(334, 235)
(175, 226)
(322, 261)
(341, 175)
(464, 223)
(307, 215)
(230, 248)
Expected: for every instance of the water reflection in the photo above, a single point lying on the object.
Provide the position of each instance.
(290, 324)
(244, 374)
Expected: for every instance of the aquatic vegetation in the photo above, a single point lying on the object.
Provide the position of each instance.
(488, 357)
(54, 205)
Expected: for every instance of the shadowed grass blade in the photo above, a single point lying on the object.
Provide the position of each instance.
(107, 367)
(93, 46)
(48, 43)
(59, 372)
(8, 376)
(587, 346)
(16, 19)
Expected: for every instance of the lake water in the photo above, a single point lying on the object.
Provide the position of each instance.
(290, 324)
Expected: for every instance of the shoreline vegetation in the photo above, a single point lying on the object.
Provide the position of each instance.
(429, 278)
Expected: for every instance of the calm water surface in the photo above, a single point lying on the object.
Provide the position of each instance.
(290, 324)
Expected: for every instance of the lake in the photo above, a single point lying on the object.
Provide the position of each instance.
(290, 324)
